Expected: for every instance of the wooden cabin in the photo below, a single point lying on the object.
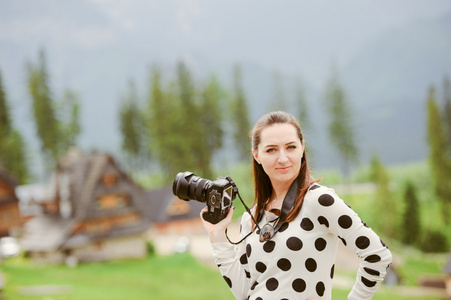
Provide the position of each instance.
(96, 212)
(10, 219)
(170, 215)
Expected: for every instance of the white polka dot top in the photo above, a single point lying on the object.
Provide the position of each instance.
(298, 262)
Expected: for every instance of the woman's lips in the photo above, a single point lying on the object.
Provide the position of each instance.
(283, 169)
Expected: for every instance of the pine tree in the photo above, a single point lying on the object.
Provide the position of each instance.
(162, 118)
(447, 109)
(5, 117)
(57, 126)
(12, 145)
(131, 126)
(384, 205)
(341, 130)
(44, 112)
(188, 126)
(211, 121)
(303, 107)
(439, 160)
(69, 110)
(278, 100)
(411, 217)
(240, 117)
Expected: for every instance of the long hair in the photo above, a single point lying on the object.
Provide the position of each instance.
(262, 183)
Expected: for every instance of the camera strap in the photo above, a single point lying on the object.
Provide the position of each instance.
(288, 202)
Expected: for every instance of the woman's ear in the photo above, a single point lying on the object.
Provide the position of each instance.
(255, 155)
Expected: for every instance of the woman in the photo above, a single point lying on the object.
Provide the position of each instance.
(295, 226)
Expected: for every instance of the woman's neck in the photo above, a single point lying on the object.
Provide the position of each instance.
(279, 190)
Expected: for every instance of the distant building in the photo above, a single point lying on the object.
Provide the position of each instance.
(447, 270)
(10, 219)
(170, 215)
(90, 210)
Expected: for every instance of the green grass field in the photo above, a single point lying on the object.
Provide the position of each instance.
(168, 277)
(175, 277)
(181, 277)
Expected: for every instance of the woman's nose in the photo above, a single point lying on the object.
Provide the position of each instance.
(282, 157)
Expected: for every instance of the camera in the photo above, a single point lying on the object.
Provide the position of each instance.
(217, 194)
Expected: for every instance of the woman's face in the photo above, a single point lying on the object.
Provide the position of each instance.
(280, 153)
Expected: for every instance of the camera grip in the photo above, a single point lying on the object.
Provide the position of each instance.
(210, 217)
(215, 217)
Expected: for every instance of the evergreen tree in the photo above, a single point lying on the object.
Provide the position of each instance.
(161, 123)
(411, 217)
(278, 100)
(240, 117)
(188, 126)
(5, 117)
(44, 109)
(341, 131)
(57, 126)
(447, 109)
(12, 145)
(175, 132)
(69, 110)
(438, 158)
(211, 120)
(131, 126)
(384, 205)
(303, 107)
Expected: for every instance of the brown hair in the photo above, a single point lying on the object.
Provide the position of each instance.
(262, 183)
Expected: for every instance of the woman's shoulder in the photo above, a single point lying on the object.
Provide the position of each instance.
(316, 190)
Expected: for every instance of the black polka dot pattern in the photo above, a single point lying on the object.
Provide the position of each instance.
(373, 258)
(314, 187)
(343, 240)
(229, 282)
(362, 242)
(269, 246)
(295, 244)
(306, 224)
(323, 221)
(283, 227)
(284, 264)
(299, 285)
(243, 259)
(320, 244)
(272, 284)
(367, 282)
(310, 265)
(320, 288)
(248, 250)
(371, 271)
(261, 267)
(345, 221)
(300, 256)
(326, 200)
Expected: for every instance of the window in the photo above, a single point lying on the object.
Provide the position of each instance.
(113, 201)
(110, 179)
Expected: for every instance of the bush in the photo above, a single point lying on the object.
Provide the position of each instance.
(434, 241)
(150, 248)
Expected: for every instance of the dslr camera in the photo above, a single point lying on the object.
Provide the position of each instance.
(217, 194)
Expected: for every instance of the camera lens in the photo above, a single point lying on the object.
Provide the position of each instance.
(188, 186)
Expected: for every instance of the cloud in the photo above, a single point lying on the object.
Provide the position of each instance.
(93, 37)
(188, 10)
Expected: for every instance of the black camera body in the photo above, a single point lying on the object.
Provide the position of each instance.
(217, 194)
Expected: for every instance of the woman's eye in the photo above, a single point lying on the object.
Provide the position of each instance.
(291, 147)
(270, 150)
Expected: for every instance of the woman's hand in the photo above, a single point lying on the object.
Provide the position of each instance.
(217, 231)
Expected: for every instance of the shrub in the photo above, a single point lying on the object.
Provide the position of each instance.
(434, 241)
